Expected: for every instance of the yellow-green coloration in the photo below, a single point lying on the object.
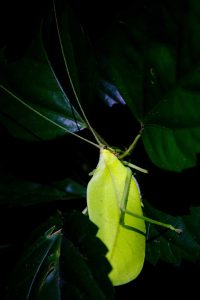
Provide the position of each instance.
(126, 247)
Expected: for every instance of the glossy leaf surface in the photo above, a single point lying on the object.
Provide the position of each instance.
(60, 262)
(158, 77)
(32, 99)
(172, 247)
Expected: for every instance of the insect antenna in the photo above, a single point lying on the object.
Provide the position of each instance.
(96, 136)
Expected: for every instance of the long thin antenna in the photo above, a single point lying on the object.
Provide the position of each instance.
(71, 82)
(46, 118)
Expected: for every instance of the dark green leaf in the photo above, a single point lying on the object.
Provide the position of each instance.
(32, 100)
(49, 279)
(38, 263)
(14, 191)
(170, 246)
(85, 270)
(71, 265)
(155, 64)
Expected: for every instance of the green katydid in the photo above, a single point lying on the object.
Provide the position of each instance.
(113, 202)
(114, 205)
(110, 192)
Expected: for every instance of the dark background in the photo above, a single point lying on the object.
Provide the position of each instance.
(19, 22)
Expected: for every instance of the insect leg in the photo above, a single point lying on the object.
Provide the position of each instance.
(124, 203)
(124, 209)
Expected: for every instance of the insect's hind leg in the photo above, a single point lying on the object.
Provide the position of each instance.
(124, 203)
(124, 209)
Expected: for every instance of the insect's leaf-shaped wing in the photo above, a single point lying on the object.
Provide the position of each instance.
(154, 61)
(126, 246)
(32, 100)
